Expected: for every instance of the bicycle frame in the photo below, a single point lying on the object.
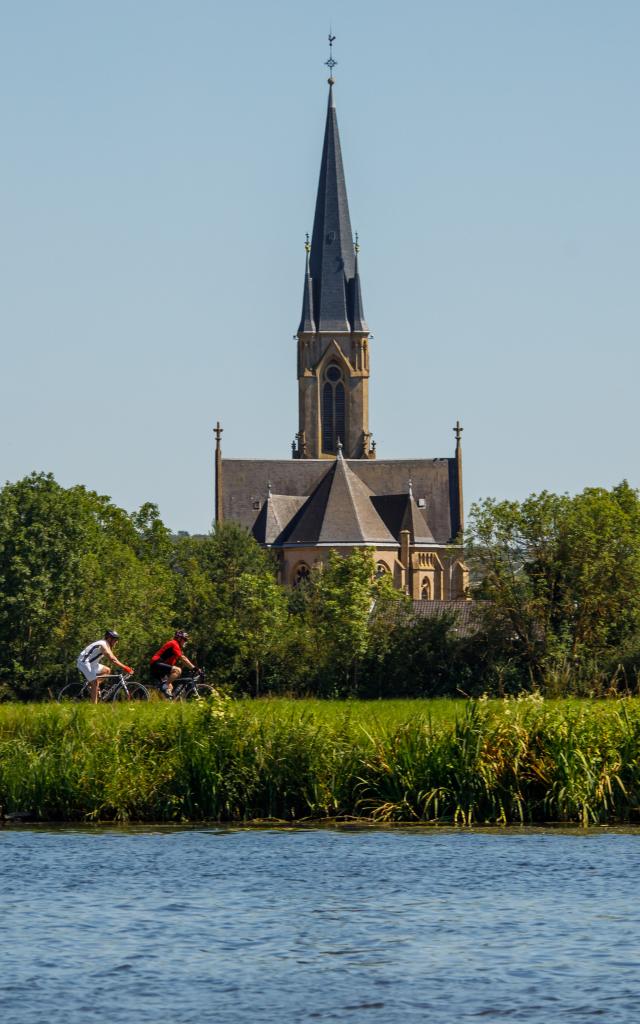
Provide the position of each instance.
(111, 687)
(120, 684)
(184, 685)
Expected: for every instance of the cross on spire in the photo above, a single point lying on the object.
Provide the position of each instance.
(458, 432)
(331, 63)
(218, 432)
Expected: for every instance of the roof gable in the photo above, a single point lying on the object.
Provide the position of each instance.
(340, 511)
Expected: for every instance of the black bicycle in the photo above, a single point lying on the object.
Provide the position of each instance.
(113, 689)
(188, 687)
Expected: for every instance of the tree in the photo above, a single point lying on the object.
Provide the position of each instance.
(345, 608)
(229, 597)
(71, 565)
(561, 575)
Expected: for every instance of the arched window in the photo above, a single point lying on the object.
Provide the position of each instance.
(334, 420)
(301, 573)
(381, 569)
(425, 592)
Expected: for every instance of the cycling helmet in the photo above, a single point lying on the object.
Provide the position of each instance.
(181, 634)
(111, 635)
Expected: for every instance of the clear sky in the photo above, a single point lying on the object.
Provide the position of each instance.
(158, 174)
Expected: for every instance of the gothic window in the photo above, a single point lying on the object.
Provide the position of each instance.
(425, 592)
(334, 419)
(381, 569)
(301, 573)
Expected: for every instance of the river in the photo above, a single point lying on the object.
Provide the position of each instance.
(212, 924)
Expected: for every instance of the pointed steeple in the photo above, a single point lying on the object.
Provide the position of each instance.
(415, 522)
(307, 322)
(358, 322)
(333, 337)
(332, 263)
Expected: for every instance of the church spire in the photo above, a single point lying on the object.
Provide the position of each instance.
(333, 336)
(307, 323)
(358, 322)
(332, 263)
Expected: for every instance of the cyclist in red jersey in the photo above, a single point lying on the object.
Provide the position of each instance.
(163, 662)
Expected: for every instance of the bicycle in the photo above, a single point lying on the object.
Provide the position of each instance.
(189, 687)
(123, 689)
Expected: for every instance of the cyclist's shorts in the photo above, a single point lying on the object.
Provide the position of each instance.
(160, 669)
(89, 669)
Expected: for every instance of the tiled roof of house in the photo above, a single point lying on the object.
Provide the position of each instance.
(467, 613)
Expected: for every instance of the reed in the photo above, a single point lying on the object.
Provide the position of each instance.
(467, 762)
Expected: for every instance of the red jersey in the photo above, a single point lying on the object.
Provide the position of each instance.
(168, 653)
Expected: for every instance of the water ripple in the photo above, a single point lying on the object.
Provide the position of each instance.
(151, 927)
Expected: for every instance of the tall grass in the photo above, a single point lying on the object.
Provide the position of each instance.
(526, 760)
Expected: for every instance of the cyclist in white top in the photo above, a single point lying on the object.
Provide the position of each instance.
(90, 665)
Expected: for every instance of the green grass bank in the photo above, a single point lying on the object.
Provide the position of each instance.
(468, 762)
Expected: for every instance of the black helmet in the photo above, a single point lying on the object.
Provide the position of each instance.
(181, 634)
(111, 635)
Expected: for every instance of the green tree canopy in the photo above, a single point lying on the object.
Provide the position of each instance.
(345, 609)
(72, 564)
(561, 574)
(229, 598)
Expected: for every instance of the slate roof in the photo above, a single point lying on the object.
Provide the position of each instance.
(335, 301)
(339, 511)
(275, 515)
(414, 521)
(245, 493)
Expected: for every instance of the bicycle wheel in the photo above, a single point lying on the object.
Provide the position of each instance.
(136, 692)
(199, 691)
(74, 692)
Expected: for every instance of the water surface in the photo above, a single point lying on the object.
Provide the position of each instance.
(319, 925)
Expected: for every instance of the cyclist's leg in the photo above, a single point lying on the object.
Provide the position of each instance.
(161, 674)
(101, 670)
(175, 674)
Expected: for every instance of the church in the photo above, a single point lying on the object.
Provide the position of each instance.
(334, 492)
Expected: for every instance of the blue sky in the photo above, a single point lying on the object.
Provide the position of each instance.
(159, 169)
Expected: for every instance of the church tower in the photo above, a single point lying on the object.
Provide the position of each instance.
(333, 337)
(335, 494)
